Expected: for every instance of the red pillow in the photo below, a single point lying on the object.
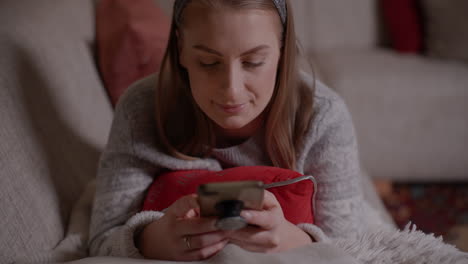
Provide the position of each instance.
(403, 21)
(131, 39)
(295, 199)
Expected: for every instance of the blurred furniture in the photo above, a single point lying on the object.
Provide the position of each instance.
(410, 111)
(55, 118)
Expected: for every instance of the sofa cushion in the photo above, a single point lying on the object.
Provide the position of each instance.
(409, 111)
(132, 38)
(295, 198)
(446, 28)
(403, 22)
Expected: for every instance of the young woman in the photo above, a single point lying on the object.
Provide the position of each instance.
(230, 93)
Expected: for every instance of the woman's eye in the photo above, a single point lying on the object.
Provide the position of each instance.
(208, 65)
(253, 64)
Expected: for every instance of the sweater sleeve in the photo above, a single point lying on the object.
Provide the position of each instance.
(331, 156)
(126, 169)
(123, 176)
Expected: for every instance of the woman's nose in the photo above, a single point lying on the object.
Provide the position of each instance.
(233, 81)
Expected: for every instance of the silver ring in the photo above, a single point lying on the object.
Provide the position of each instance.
(187, 242)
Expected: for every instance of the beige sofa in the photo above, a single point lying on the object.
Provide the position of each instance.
(55, 120)
(410, 111)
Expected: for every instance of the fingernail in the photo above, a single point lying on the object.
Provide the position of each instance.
(246, 215)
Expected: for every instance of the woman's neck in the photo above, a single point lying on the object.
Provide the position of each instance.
(231, 137)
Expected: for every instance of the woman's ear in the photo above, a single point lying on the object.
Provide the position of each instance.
(180, 45)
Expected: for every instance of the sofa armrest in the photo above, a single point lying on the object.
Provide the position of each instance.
(55, 120)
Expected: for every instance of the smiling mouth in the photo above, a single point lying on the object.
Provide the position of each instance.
(232, 109)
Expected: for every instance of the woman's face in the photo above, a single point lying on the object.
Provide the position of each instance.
(232, 59)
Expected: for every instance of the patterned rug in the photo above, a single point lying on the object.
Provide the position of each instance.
(441, 209)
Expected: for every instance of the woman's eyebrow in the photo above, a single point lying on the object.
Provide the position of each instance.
(212, 51)
(206, 49)
(256, 49)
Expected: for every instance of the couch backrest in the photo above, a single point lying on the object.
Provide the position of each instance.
(336, 24)
(55, 118)
(329, 24)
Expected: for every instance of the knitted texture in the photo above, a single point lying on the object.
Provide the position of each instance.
(131, 160)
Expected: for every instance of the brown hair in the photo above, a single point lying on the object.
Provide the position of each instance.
(186, 132)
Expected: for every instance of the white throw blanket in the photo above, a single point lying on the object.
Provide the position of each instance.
(405, 247)
(375, 246)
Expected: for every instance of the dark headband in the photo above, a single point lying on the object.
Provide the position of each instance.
(280, 6)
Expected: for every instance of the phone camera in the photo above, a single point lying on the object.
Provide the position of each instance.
(229, 211)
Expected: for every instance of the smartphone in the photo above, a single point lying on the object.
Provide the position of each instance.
(211, 195)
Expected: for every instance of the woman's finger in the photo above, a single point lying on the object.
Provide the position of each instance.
(184, 206)
(191, 213)
(194, 226)
(269, 200)
(266, 219)
(204, 240)
(204, 253)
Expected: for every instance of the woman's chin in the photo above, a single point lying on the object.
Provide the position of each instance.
(232, 125)
(238, 126)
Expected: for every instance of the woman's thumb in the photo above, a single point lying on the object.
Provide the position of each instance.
(186, 207)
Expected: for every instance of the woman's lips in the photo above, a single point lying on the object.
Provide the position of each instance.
(232, 109)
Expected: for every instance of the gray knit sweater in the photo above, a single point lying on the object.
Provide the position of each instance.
(131, 160)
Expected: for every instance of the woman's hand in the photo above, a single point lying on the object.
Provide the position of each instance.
(271, 233)
(181, 234)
